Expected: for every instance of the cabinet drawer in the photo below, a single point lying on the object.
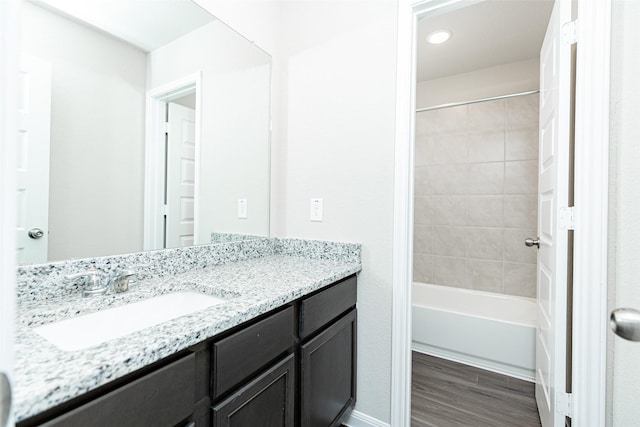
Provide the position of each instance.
(161, 398)
(321, 308)
(266, 401)
(244, 353)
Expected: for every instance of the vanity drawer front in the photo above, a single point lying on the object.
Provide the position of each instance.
(321, 308)
(162, 398)
(244, 353)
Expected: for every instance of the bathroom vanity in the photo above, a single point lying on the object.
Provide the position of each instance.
(280, 351)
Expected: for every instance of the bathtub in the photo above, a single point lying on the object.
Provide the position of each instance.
(490, 331)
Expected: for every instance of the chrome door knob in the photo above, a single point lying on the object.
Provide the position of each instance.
(36, 233)
(625, 322)
(532, 242)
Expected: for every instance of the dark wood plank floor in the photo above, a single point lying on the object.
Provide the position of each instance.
(445, 393)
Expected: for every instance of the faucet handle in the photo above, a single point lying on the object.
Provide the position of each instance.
(124, 278)
(91, 281)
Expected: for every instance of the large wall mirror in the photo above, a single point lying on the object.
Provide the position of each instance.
(143, 125)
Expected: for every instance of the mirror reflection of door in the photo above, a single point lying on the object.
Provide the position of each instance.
(180, 173)
(33, 160)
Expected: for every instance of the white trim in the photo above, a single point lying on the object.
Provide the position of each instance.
(591, 201)
(402, 220)
(9, 46)
(155, 155)
(359, 419)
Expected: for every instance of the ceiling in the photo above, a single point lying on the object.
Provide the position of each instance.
(147, 24)
(484, 34)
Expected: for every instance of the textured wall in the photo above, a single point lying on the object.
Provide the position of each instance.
(476, 196)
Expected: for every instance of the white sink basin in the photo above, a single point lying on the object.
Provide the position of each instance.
(87, 330)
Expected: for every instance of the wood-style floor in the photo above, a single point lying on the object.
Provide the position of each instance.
(445, 393)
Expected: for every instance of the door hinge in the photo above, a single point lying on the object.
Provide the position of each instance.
(566, 218)
(570, 32)
(166, 127)
(563, 404)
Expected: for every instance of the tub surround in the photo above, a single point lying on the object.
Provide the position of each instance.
(255, 276)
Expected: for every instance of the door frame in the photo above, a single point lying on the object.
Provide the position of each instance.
(154, 161)
(591, 199)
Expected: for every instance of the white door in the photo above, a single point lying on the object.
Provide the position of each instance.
(180, 176)
(624, 355)
(553, 183)
(34, 124)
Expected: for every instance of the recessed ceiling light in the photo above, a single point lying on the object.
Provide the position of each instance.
(439, 36)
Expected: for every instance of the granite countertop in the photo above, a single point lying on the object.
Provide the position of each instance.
(46, 376)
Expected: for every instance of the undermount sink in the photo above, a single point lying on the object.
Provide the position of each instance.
(87, 330)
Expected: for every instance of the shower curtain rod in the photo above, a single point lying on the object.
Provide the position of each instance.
(493, 98)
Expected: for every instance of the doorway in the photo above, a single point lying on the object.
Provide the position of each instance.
(592, 97)
(172, 167)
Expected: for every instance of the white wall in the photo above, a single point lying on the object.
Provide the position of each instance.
(505, 79)
(338, 62)
(235, 130)
(625, 134)
(97, 143)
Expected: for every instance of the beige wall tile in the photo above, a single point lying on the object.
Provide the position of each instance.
(485, 147)
(521, 212)
(425, 180)
(521, 144)
(424, 151)
(485, 211)
(520, 279)
(522, 112)
(450, 149)
(521, 177)
(423, 210)
(486, 116)
(485, 178)
(451, 179)
(423, 268)
(450, 210)
(449, 271)
(451, 120)
(448, 241)
(484, 243)
(422, 239)
(484, 275)
(514, 248)
(425, 123)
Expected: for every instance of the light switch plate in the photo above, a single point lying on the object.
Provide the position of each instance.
(316, 209)
(242, 208)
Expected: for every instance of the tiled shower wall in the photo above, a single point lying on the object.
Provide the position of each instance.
(476, 196)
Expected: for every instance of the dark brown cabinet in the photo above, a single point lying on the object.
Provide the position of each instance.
(268, 400)
(294, 366)
(327, 355)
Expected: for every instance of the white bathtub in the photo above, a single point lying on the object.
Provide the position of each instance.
(490, 331)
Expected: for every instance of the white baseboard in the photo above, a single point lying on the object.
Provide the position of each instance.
(358, 419)
(488, 365)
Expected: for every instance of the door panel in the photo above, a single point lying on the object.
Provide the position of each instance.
(553, 186)
(34, 126)
(180, 176)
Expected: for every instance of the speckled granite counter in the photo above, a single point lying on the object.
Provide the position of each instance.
(279, 272)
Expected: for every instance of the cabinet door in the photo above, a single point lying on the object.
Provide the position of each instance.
(328, 374)
(267, 401)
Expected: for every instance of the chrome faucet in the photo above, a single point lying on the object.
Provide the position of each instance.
(96, 283)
